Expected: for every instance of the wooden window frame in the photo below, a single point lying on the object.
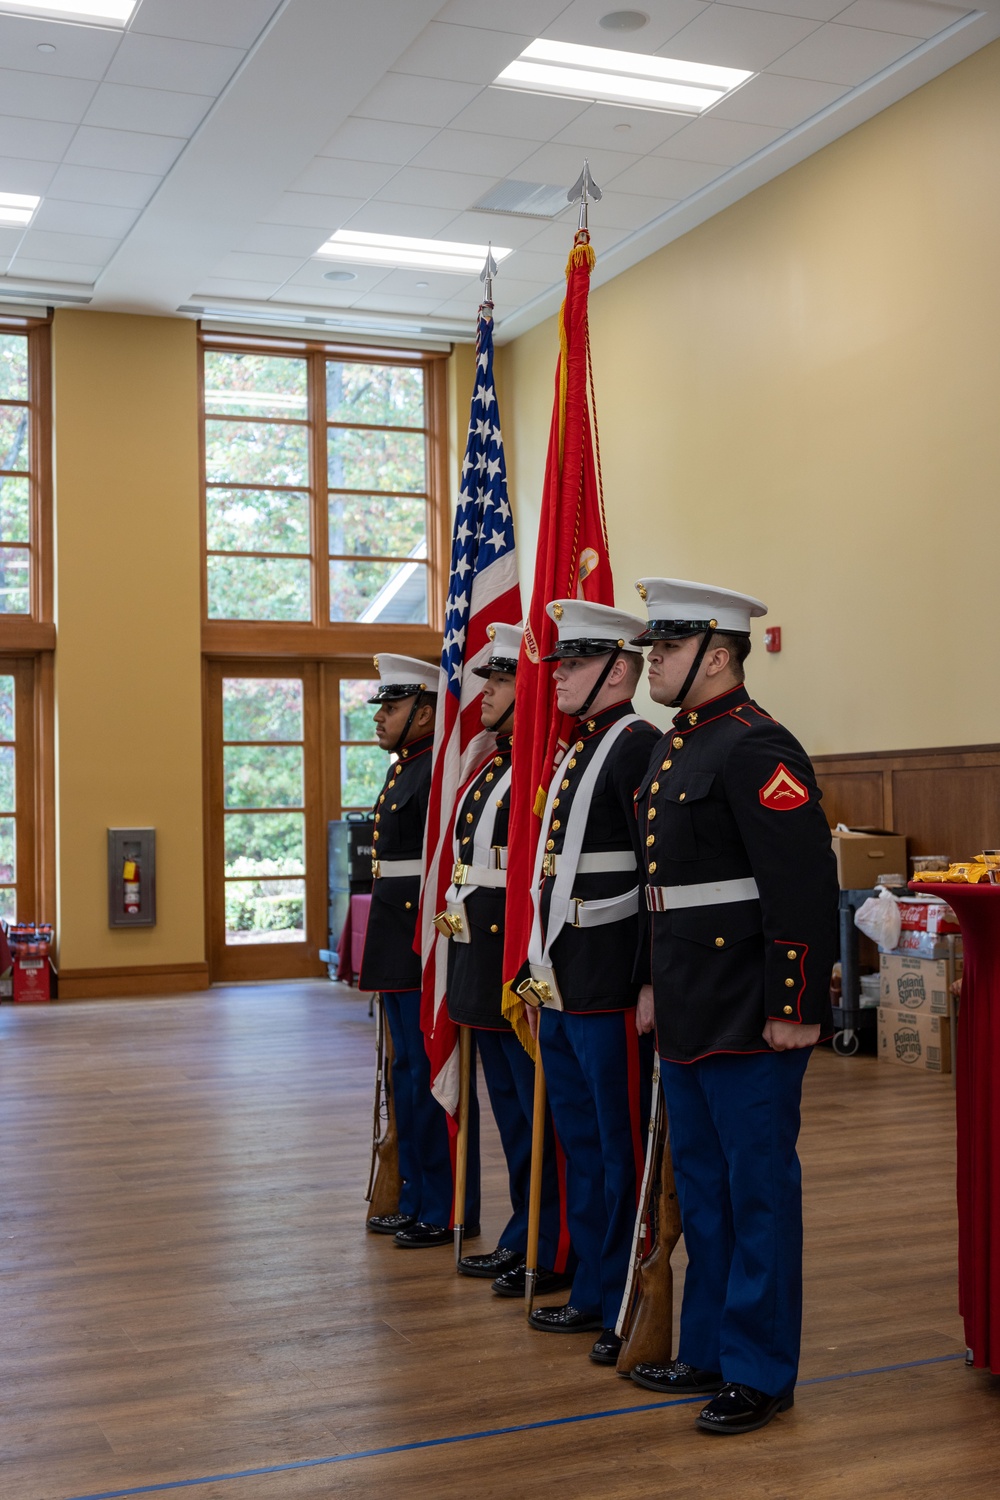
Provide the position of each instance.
(322, 639)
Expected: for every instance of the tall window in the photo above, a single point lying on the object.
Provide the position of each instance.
(362, 763)
(15, 476)
(320, 486)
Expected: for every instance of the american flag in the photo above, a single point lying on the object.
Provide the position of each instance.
(483, 588)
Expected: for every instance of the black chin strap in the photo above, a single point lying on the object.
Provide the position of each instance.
(699, 657)
(497, 726)
(401, 741)
(602, 677)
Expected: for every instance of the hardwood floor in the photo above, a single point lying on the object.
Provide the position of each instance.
(188, 1292)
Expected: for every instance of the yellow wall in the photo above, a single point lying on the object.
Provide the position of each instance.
(801, 399)
(128, 610)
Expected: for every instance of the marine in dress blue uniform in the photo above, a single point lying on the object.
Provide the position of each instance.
(404, 725)
(596, 1049)
(474, 922)
(742, 901)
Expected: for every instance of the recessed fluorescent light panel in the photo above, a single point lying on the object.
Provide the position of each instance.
(17, 208)
(603, 76)
(404, 253)
(87, 12)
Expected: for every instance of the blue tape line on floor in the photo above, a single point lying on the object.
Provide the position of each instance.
(472, 1437)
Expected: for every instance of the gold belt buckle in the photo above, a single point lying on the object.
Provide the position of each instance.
(535, 992)
(449, 924)
(548, 863)
(376, 869)
(460, 874)
(577, 904)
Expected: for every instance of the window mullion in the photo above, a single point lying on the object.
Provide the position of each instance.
(321, 511)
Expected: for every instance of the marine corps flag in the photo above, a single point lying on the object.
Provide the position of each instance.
(571, 562)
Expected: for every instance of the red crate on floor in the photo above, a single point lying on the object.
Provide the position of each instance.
(31, 981)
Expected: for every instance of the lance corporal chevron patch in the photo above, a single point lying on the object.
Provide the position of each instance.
(783, 791)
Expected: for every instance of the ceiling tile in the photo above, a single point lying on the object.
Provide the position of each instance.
(727, 142)
(10, 238)
(455, 190)
(158, 62)
(523, 16)
(471, 151)
(532, 265)
(241, 267)
(313, 274)
(81, 51)
(244, 291)
(511, 291)
(38, 140)
(63, 217)
(461, 53)
(511, 230)
(379, 140)
(661, 178)
(124, 150)
(281, 239)
(844, 54)
(230, 23)
(122, 106)
(320, 210)
(733, 37)
(557, 239)
(617, 129)
(814, 10)
(349, 179)
(18, 175)
(379, 301)
(24, 268)
(579, 23)
(561, 165)
(42, 96)
(97, 185)
(772, 100)
(401, 218)
(623, 211)
(337, 295)
(505, 112)
(422, 101)
(910, 17)
(88, 249)
(437, 286)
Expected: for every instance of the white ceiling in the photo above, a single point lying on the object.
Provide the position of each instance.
(198, 160)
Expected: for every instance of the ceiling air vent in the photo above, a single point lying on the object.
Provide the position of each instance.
(528, 200)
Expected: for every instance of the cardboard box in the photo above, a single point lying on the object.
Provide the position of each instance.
(919, 1042)
(31, 981)
(863, 856)
(926, 944)
(915, 984)
(927, 914)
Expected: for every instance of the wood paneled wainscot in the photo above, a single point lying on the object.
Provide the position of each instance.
(946, 801)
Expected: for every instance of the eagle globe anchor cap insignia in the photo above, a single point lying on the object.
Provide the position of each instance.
(585, 628)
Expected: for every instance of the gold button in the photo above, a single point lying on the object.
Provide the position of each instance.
(550, 843)
(394, 806)
(489, 775)
(378, 817)
(789, 984)
(468, 817)
(375, 834)
(563, 785)
(655, 787)
(476, 796)
(382, 798)
(591, 725)
(466, 839)
(666, 765)
(555, 802)
(499, 802)
(652, 866)
(677, 742)
(650, 839)
(408, 905)
(498, 760)
(555, 824)
(789, 1011)
(578, 745)
(680, 799)
(720, 942)
(652, 811)
(571, 763)
(792, 953)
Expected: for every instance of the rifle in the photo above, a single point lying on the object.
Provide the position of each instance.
(383, 1178)
(645, 1322)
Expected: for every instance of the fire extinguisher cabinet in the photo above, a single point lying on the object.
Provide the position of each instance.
(131, 877)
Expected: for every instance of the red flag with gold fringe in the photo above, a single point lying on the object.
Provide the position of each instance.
(571, 562)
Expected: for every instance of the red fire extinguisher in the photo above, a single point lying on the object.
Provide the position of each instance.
(131, 889)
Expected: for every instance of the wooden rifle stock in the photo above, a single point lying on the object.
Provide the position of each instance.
(383, 1179)
(647, 1317)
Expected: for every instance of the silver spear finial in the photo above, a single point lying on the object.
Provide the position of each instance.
(487, 274)
(586, 189)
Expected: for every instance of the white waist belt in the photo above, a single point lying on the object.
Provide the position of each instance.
(600, 913)
(478, 875)
(593, 864)
(394, 869)
(710, 893)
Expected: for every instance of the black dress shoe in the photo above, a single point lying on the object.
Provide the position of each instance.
(419, 1235)
(389, 1223)
(677, 1379)
(739, 1408)
(566, 1319)
(607, 1348)
(511, 1283)
(487, 1266)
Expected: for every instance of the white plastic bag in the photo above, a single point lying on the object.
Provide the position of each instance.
(879, 919)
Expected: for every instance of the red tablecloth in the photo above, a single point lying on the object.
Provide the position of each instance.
(977, 1072)
(352, 939)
